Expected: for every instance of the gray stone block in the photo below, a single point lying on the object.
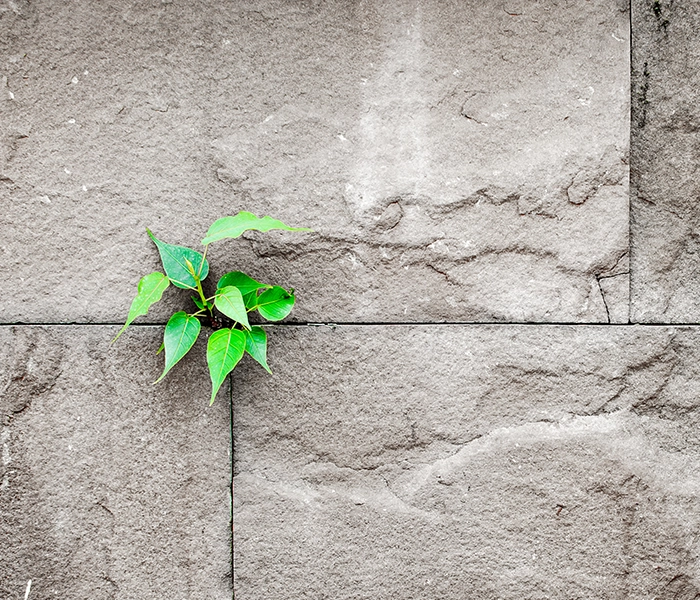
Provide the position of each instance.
(110, 487)
(453, 462)
(665, 185)
(458, 160)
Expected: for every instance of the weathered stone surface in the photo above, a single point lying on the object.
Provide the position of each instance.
(458, 160)
(453, 462)
(665, 216)
(110, 488)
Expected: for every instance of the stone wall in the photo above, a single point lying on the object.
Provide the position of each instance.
(488, 386)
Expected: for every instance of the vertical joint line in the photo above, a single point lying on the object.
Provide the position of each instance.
(230, 403)
(629, 183)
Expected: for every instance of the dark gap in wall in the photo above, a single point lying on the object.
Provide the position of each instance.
(382, 324)
(230, 393)
(629, 177)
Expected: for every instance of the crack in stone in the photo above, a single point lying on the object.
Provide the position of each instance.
(466, 116)
(443, 273)
(612, 276)
(602, 295)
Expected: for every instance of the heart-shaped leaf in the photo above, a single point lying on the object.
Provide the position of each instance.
(180, 334)
(175, 262)
(256, 345)
(275, 304)
(232, 227)
(242, 281)
(198, 303)
(224, 349)
(251, 300)
(230, 302)
(150, 290)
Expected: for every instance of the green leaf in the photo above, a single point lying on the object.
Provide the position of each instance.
(256, 345)
(232, 227)
(250, 300)
(198, 303)
(150, 290)
(175, 259)
(242, 281)
(230, 302)
(224, 350)
(275, 304)
(180, 334)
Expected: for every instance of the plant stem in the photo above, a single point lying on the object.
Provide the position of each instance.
(201, 293)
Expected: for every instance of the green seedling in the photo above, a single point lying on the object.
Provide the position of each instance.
(226, 311)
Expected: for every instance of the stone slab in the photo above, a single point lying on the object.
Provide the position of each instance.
(110, 487)
(453, 462)
(665, 184)
(457, 160)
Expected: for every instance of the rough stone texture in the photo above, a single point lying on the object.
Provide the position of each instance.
(453, 462)
(665, 183)
(458, 160)
(110, 488)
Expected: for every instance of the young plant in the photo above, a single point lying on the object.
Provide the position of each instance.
(226, 311)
